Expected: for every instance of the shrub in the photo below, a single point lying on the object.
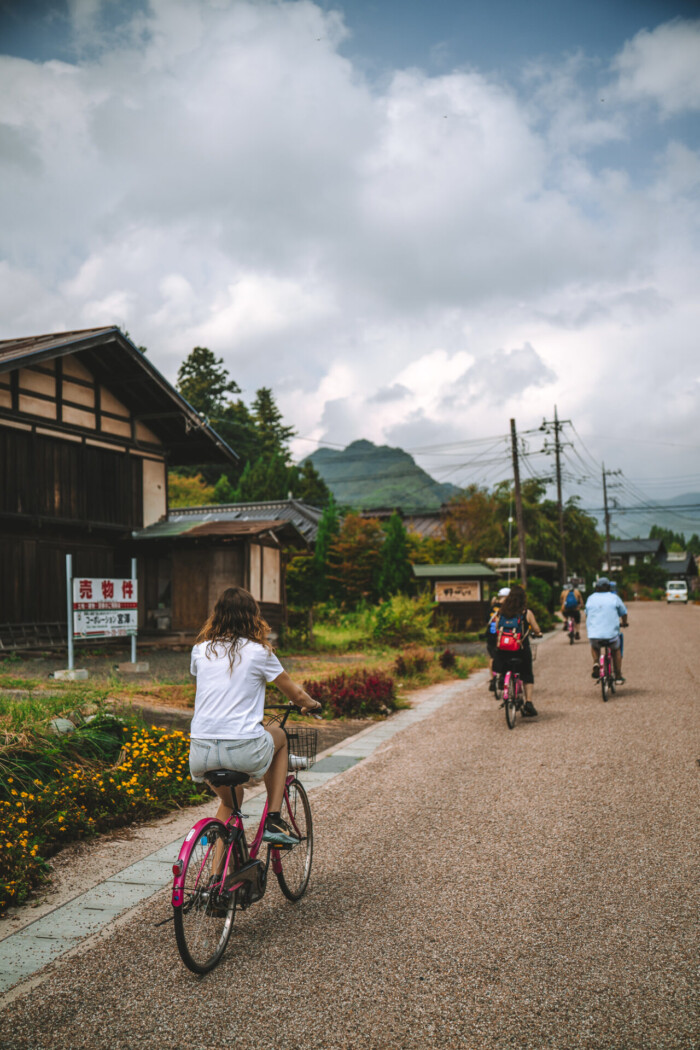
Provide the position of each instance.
(104, 775)
(540, 591)
(355, 694)
(412, 661)
(448, 659)
(401, 620)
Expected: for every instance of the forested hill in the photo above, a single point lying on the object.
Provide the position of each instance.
(365, 475)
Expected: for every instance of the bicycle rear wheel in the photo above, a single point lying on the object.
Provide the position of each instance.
(510, 700)
(295, 863)
(204, 920)
(604, 680)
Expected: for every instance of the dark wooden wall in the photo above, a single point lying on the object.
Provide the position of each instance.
(33, 573)
(72, 481)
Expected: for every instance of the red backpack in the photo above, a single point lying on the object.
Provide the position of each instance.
(511, 632)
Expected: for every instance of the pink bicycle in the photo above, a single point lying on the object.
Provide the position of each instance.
(218, 871)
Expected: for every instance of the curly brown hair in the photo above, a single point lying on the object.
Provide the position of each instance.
(236, 616)
(514, 603)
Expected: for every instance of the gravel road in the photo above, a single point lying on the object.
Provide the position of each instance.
(473, 887)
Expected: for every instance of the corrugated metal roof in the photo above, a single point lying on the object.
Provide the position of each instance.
(195, 529)
(452, 572)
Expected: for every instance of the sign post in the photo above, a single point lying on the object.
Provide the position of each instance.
(134, 570)
(69, 598)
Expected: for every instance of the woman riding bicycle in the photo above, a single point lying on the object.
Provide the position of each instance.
(233, 662)
(515, 614)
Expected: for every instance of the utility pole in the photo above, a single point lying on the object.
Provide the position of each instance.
(518, 504)
(607, 521)
(558, 424)
(607, 474)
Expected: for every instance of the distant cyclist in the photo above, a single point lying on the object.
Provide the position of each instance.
(571, 604)
(516, 619)
(492, 631)
(603, 612)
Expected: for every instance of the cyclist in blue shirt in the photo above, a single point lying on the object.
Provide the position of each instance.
(603, 612)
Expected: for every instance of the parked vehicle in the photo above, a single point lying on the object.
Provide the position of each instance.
(676, 591)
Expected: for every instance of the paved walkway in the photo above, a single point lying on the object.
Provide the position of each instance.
(472, 888)
(52, 935)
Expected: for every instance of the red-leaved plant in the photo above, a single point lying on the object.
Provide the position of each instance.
(355, 694)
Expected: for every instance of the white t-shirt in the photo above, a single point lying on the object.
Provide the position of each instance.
(229, 705)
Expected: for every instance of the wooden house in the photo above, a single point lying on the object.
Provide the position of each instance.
(88, 427)
(199, 551)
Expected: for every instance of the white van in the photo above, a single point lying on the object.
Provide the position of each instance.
(676, 591)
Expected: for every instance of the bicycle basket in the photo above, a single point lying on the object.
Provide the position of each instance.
(303, 745)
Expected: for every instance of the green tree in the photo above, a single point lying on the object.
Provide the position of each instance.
(354, 558)
(265, 479)
(307, 485)
(395, 574)
(224, 491)
(203, 380)
(273, 436)
(328, 529)
(188, 491)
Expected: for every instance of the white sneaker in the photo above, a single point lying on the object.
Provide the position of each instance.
(298, 762)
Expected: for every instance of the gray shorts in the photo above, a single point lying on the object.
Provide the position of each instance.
(598, 643)
(251, 755)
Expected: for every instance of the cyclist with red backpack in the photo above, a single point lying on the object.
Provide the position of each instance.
(515, 625)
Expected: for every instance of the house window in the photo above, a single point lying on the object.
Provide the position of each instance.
(615, 562)
(632, 559)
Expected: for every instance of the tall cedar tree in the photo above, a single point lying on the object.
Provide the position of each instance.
(395, 574)
(273, 436)
(328, 529)
(354, 558)
(203, 380)
(257, 435)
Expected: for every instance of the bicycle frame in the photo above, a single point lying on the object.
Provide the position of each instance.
(234, 821)
(607, 671)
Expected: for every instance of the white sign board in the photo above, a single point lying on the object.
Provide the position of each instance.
(104, 608)
(459, 591)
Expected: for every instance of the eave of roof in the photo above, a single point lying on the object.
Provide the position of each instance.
(199, 529)
(452, 572)
(189, 443)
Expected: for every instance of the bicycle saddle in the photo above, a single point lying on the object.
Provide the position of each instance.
(226, 777)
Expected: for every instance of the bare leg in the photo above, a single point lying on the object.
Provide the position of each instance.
(223, 814)
(617, 662)
(277, 773)
(529, 687)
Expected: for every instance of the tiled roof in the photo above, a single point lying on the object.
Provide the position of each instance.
(303, 516)
(636, 546)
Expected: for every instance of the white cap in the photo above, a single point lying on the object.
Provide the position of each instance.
(503, 592)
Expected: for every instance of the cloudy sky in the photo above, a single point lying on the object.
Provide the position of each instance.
(413, 220)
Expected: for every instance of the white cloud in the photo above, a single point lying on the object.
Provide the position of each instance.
(663, 66)
(414, 260)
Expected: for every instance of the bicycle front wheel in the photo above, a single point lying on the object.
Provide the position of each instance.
(497, 689)
(295, 863)
(204, 920)
(509, 700)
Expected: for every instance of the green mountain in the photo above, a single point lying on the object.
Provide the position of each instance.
(367, 476)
